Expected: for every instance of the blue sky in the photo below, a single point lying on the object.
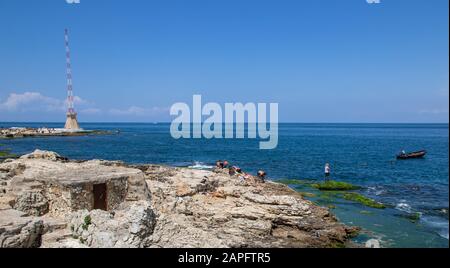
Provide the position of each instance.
(321, 60)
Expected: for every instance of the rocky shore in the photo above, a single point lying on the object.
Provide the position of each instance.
(49, 201)
(21, 132)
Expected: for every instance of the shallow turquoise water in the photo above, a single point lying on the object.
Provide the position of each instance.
(362, 154)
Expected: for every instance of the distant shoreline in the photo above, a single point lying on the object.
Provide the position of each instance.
(27, 132)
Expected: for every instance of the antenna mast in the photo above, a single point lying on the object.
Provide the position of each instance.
(71, 122)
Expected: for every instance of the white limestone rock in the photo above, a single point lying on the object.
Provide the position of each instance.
(19, 231)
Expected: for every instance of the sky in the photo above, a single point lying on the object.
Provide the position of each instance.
(320, 60)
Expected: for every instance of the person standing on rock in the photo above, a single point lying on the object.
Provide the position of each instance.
(327, 172)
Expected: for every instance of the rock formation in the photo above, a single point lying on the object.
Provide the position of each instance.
(49, 201)
(73, 130)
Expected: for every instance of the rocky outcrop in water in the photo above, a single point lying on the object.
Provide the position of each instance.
(24, 132)
(49, 201)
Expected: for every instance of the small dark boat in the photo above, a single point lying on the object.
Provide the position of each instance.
(419, 154)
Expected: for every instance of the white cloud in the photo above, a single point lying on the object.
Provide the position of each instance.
(17, 102)
(139, 111)
(35, 101)
(91, 111)
(79, 101)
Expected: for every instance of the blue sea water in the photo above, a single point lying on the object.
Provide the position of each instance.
(362, 154)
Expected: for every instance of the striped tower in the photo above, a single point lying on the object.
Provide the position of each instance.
(71, 121)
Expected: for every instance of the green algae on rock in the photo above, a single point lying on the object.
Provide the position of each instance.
(305, 194)
(5, 153)
(335, 186)
(365, 212)
(413, 217)
(363, 200)
(291, 182)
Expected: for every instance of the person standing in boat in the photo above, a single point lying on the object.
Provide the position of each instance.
(327, 171)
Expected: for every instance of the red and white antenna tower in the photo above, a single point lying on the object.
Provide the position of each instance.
(71, 122)
(70, 107)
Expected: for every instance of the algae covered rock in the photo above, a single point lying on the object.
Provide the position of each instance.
(335, 186)
(363, 200)
(413, 217)
(306, 194)
(5, 153)
(291, 182)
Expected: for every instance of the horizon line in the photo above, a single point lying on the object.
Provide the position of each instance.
(168, 122)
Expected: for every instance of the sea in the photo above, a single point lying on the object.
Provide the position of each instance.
(416, 192)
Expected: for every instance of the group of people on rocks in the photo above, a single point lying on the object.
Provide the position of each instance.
(261, 175)
(235, 170)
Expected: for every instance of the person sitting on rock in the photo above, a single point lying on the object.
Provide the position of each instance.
(237, 169)
(244, 177)
(219, 164)
(231, 171)
(262, 175)
(225, 164)
(234, 170)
